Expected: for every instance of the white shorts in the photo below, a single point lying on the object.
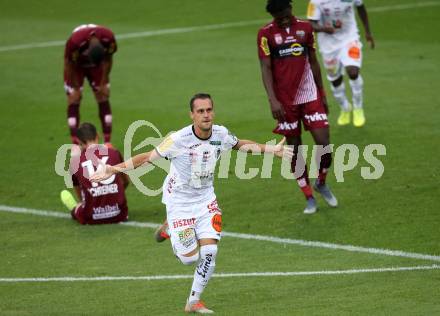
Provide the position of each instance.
(336, 61)
(188, 224)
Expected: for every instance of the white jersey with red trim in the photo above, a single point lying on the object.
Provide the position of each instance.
(193, 161)
(338, 14)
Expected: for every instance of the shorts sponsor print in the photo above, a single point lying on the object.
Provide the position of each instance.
(186, 230)
(106, 214)
(311, 114)
(347, 55)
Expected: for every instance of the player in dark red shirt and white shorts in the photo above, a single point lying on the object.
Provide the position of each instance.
(103, 202)
(292, 79)
(89, 54)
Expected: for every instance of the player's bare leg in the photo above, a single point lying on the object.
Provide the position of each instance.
(202, 274)
(356, 84)
(102, 95)
(338, 88)
(322, 138)
(299, 169)
(73, 101)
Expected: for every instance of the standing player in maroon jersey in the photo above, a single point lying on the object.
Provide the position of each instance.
(89, 54)
(103, 202)
(292, 79)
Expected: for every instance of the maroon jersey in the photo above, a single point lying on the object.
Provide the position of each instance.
(288, 51)
(102, 202)
(78, 43)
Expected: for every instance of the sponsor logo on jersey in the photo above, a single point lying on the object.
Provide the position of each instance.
(195, 146)
(206, 155)
(278, 38)
(285, 126)
(290, 39)
(264, 45)
(316, 117)
(215, 142)
(300, 33)
(296, 49)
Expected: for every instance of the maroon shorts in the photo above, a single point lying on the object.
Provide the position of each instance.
(93, 75)
(84, 216)
(311, 114)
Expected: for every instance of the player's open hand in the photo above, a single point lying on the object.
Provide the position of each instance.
(283, 151)
(370, 40)
(328, 29)
(103, 172)
(277, 110)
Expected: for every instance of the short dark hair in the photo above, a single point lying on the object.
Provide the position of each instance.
(96, 53)
(275, 6)
(202, 96)
(86, 132)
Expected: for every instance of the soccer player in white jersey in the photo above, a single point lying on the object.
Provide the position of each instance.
(340, 47)
(193, 215)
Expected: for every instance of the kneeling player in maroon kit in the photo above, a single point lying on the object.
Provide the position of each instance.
(292, 78)
(103, 202)
(88, 54)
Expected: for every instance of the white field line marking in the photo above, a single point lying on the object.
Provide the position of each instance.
(207, 27)
(305, 243)
(218, 275)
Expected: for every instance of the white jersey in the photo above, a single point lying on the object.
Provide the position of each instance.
(336, 13)
(193, 162)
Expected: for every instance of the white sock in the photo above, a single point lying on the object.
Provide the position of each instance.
(204, 271)
(356, 89)
(341, 98)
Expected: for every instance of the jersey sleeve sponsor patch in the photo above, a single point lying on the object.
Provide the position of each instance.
(264, 46)
(311, 8)
(167, 148)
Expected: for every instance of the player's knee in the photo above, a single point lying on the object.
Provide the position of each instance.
(189, 260)
(353, 73)
(74, 97)
(102, 95)
(209, 251)
(336, 83)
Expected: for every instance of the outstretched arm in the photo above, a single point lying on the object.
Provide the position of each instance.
(107, 171)
(362, 11)
(279, 149)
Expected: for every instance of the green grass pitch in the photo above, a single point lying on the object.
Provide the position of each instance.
(152, 79)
